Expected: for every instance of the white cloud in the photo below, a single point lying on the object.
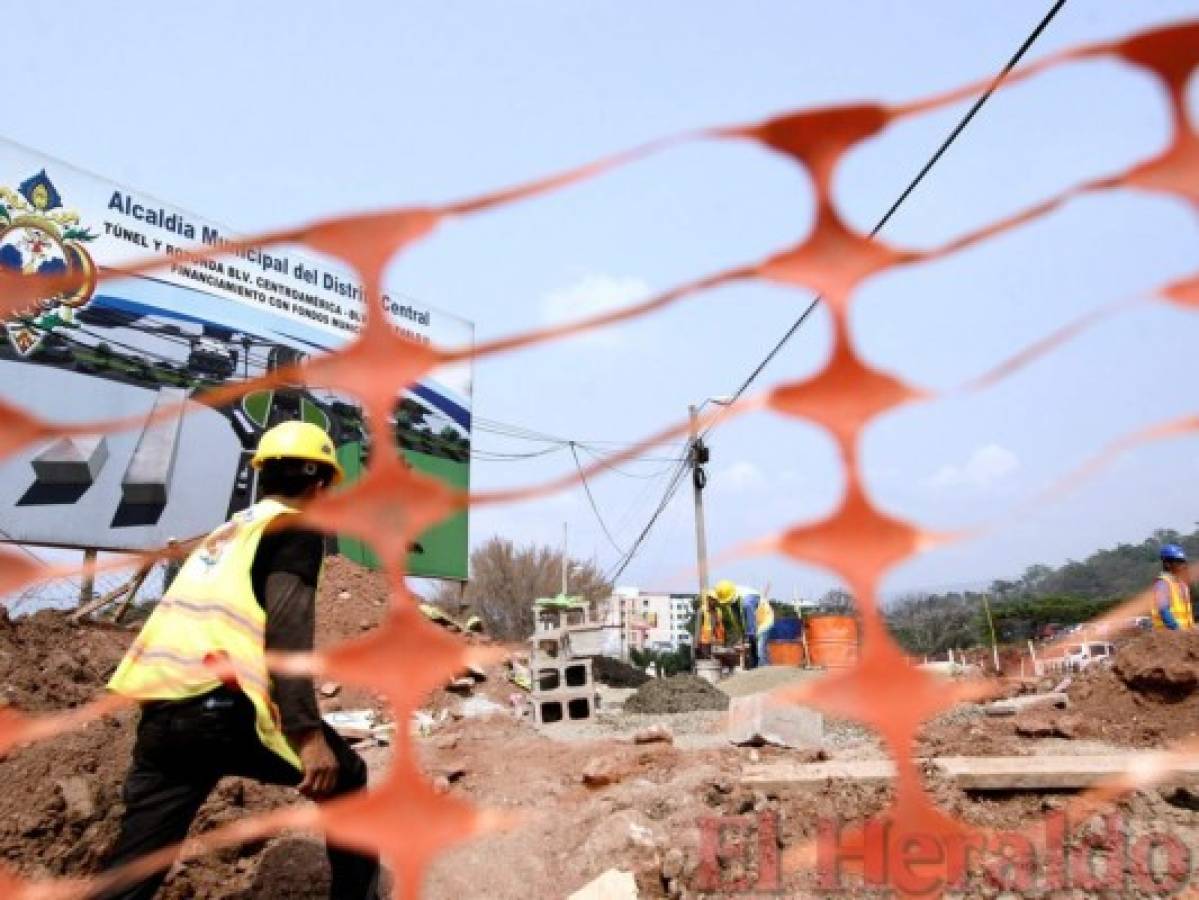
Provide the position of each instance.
(986, 465)
(740, 476)
(591, 295)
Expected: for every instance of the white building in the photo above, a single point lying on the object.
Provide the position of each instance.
(650, 621)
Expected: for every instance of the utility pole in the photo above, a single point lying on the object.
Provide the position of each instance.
(564, 562)
(697, 456)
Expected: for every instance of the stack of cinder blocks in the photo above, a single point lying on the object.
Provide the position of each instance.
(563, 690)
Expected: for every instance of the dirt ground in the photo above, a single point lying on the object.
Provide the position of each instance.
(590, 797)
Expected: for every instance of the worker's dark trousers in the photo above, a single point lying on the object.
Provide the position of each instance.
(183, 749)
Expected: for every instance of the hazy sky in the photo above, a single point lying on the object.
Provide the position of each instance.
(261, 114)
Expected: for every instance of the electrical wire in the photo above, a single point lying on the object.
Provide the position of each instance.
(978, 104)
(591, 500)
(672, 488)
(1013, 61)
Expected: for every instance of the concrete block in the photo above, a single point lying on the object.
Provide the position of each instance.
(71, 460)
(758, 719)
(563, 706)
(148, 478)
(553, 645)
(571, 674)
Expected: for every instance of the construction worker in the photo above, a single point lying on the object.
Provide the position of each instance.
(757, 617)
(1171, 591)
(711, 626)
(210, 708)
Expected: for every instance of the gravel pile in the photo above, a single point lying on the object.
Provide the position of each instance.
(677, 694)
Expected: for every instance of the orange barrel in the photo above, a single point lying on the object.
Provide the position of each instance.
(833, 641)
(784, 653)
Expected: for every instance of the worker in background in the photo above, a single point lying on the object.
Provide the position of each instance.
(210, 707)
(1172, 593)
(711, 626)
(756, 615)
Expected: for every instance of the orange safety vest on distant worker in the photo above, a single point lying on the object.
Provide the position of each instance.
(1180, 603)
(209, 629)
(711, 632)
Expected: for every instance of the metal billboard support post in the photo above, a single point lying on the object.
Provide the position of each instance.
(87, 584)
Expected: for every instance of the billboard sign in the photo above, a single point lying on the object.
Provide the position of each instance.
(123, 347)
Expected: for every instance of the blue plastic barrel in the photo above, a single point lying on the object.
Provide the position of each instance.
(786, 630)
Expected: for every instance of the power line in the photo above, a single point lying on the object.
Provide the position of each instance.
(907, 191)
(644, 476)
(591, 500)
(671, 489)
(676, 480)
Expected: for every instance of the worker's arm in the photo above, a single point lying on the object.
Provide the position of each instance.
(290, 605)
(1161, 596)
(287, 569)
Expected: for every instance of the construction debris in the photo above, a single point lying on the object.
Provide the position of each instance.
(1042, 723)
(1013, 705)
(481, 708)
(612, 885)
(654, 734)
(360, 725)
(601, 771)
(760, 719)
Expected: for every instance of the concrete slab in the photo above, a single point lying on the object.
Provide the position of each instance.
(1030, 773)
(808, 777)
(71, 460)
(972, 773)
(757, 719)
(147, 479)
(1014, 705)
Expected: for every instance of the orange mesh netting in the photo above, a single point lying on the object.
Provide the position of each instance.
(402, 817)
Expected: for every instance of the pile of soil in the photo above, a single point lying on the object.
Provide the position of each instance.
(45, 666)
(677, 694)
(617, 673)
(62, 808)
(1149, 696)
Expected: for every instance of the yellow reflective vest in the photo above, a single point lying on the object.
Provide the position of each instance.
(209, 629)
(1180, 604)
(764, 615)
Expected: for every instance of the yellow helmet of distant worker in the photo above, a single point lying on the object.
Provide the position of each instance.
(725, 590)
(298, 440)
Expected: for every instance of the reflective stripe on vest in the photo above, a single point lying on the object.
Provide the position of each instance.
(209, 629)
(1180, 603)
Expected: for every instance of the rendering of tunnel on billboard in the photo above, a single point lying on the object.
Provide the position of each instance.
(126, 347)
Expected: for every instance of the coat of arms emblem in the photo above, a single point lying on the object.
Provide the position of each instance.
(38, 236)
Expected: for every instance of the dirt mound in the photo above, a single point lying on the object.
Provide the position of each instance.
(46, 662)
(617, 673)
(1150, 694)
(62, 807)
(351, 600)
(1165, 663)
(677, 694)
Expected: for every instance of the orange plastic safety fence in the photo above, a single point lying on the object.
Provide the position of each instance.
(402, 817)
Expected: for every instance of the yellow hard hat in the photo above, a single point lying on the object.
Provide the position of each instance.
(725, 590)
(298, 440)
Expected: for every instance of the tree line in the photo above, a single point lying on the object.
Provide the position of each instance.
(1074, 592)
